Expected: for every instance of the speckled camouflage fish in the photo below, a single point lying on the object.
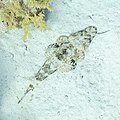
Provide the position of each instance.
(66, 52)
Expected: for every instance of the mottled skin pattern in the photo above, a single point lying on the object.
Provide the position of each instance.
(65, 53)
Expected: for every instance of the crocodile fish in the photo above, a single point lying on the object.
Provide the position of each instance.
(66, 52)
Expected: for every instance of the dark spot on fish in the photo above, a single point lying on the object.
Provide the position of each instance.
(81, 33)
(89, 40)
(64, 51)
(59, 56)
(56, 45)
(73, 62)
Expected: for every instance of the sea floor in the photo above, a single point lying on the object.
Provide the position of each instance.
(90, 92)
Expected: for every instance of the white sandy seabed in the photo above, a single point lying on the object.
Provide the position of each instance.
(90, 92)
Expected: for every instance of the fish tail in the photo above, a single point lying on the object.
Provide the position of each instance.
(46, 70)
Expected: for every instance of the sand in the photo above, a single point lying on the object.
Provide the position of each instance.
(90, 92)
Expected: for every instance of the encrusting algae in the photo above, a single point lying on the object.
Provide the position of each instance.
(22, 13)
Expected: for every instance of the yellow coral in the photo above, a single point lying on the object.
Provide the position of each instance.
(10, 13)
(39, 22)
(42, 4)
(20, 14)
(25, 25)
